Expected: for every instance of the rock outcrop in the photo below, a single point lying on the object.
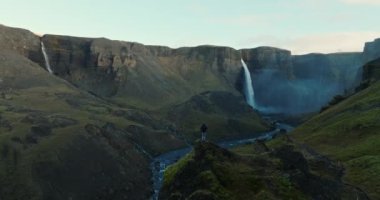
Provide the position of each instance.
(269, 58)
(371, 51)
(21, 41)
(287, 172)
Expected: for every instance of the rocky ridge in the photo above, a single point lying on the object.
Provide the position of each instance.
(255, 171)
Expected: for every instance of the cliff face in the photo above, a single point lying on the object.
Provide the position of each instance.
(326, 66)
(151, 75)
(371, 71)
(371, 51)
(155, 76)
(21, 41)
(269, 58)
(151, 78)
(299, 84)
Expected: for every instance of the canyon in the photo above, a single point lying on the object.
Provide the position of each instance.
(77, 109)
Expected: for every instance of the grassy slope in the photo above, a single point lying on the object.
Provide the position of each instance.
(227, 116)
(253, 171)
(220, 174)
(349, 133)
(28, 90)
(168, 84)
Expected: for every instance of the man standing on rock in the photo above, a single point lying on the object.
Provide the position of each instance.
(204, 132)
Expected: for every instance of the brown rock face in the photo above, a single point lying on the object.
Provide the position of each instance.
(143, 73)
(269, 58)
(153, 77)
(156, 76)
(21, 41)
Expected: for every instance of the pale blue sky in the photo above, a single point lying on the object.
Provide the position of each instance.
(299, 25)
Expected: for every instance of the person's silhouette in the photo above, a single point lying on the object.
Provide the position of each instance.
(204, 132)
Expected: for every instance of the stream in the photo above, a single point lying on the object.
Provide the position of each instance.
(161, 162)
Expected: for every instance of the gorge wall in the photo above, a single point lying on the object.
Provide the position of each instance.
(155, 76)
(152, 77)
(148, 76)
(371, 51)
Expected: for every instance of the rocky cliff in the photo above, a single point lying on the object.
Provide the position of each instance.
(371, 51)
(371, 71)
(152, 77)
(138, 74)
(309, 82)
(21, 41)
(269, 58)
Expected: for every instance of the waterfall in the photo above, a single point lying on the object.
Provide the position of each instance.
(248, 89)
(46, 57)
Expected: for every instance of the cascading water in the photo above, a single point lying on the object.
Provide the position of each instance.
(248, 89)
(46, 57)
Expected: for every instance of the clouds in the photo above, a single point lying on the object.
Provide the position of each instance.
(319, 43)
(299, 25)
(331, 42)
(363, 2)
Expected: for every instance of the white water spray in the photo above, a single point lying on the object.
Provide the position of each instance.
(248, 89)
(46, 57)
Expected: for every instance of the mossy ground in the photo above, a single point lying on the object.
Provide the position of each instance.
(246, 175)
(226, 115)
(349, 133)
(42, 136)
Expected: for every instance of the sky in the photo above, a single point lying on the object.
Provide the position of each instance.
(302, 26)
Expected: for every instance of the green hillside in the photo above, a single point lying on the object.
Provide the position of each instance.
(54, 138)
(349, 133)
(254, 171)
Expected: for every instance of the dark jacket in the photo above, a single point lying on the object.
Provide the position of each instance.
(203, 128)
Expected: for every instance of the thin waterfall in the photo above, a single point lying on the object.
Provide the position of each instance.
(46, 57)
(248, 89)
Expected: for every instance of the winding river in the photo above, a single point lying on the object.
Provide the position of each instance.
(161, 162)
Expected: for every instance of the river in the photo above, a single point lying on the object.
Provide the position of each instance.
(161, 162)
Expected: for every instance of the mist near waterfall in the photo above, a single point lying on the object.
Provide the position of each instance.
(277, 94)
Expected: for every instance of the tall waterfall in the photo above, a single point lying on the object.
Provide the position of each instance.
(46, 57)
(248, 89)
